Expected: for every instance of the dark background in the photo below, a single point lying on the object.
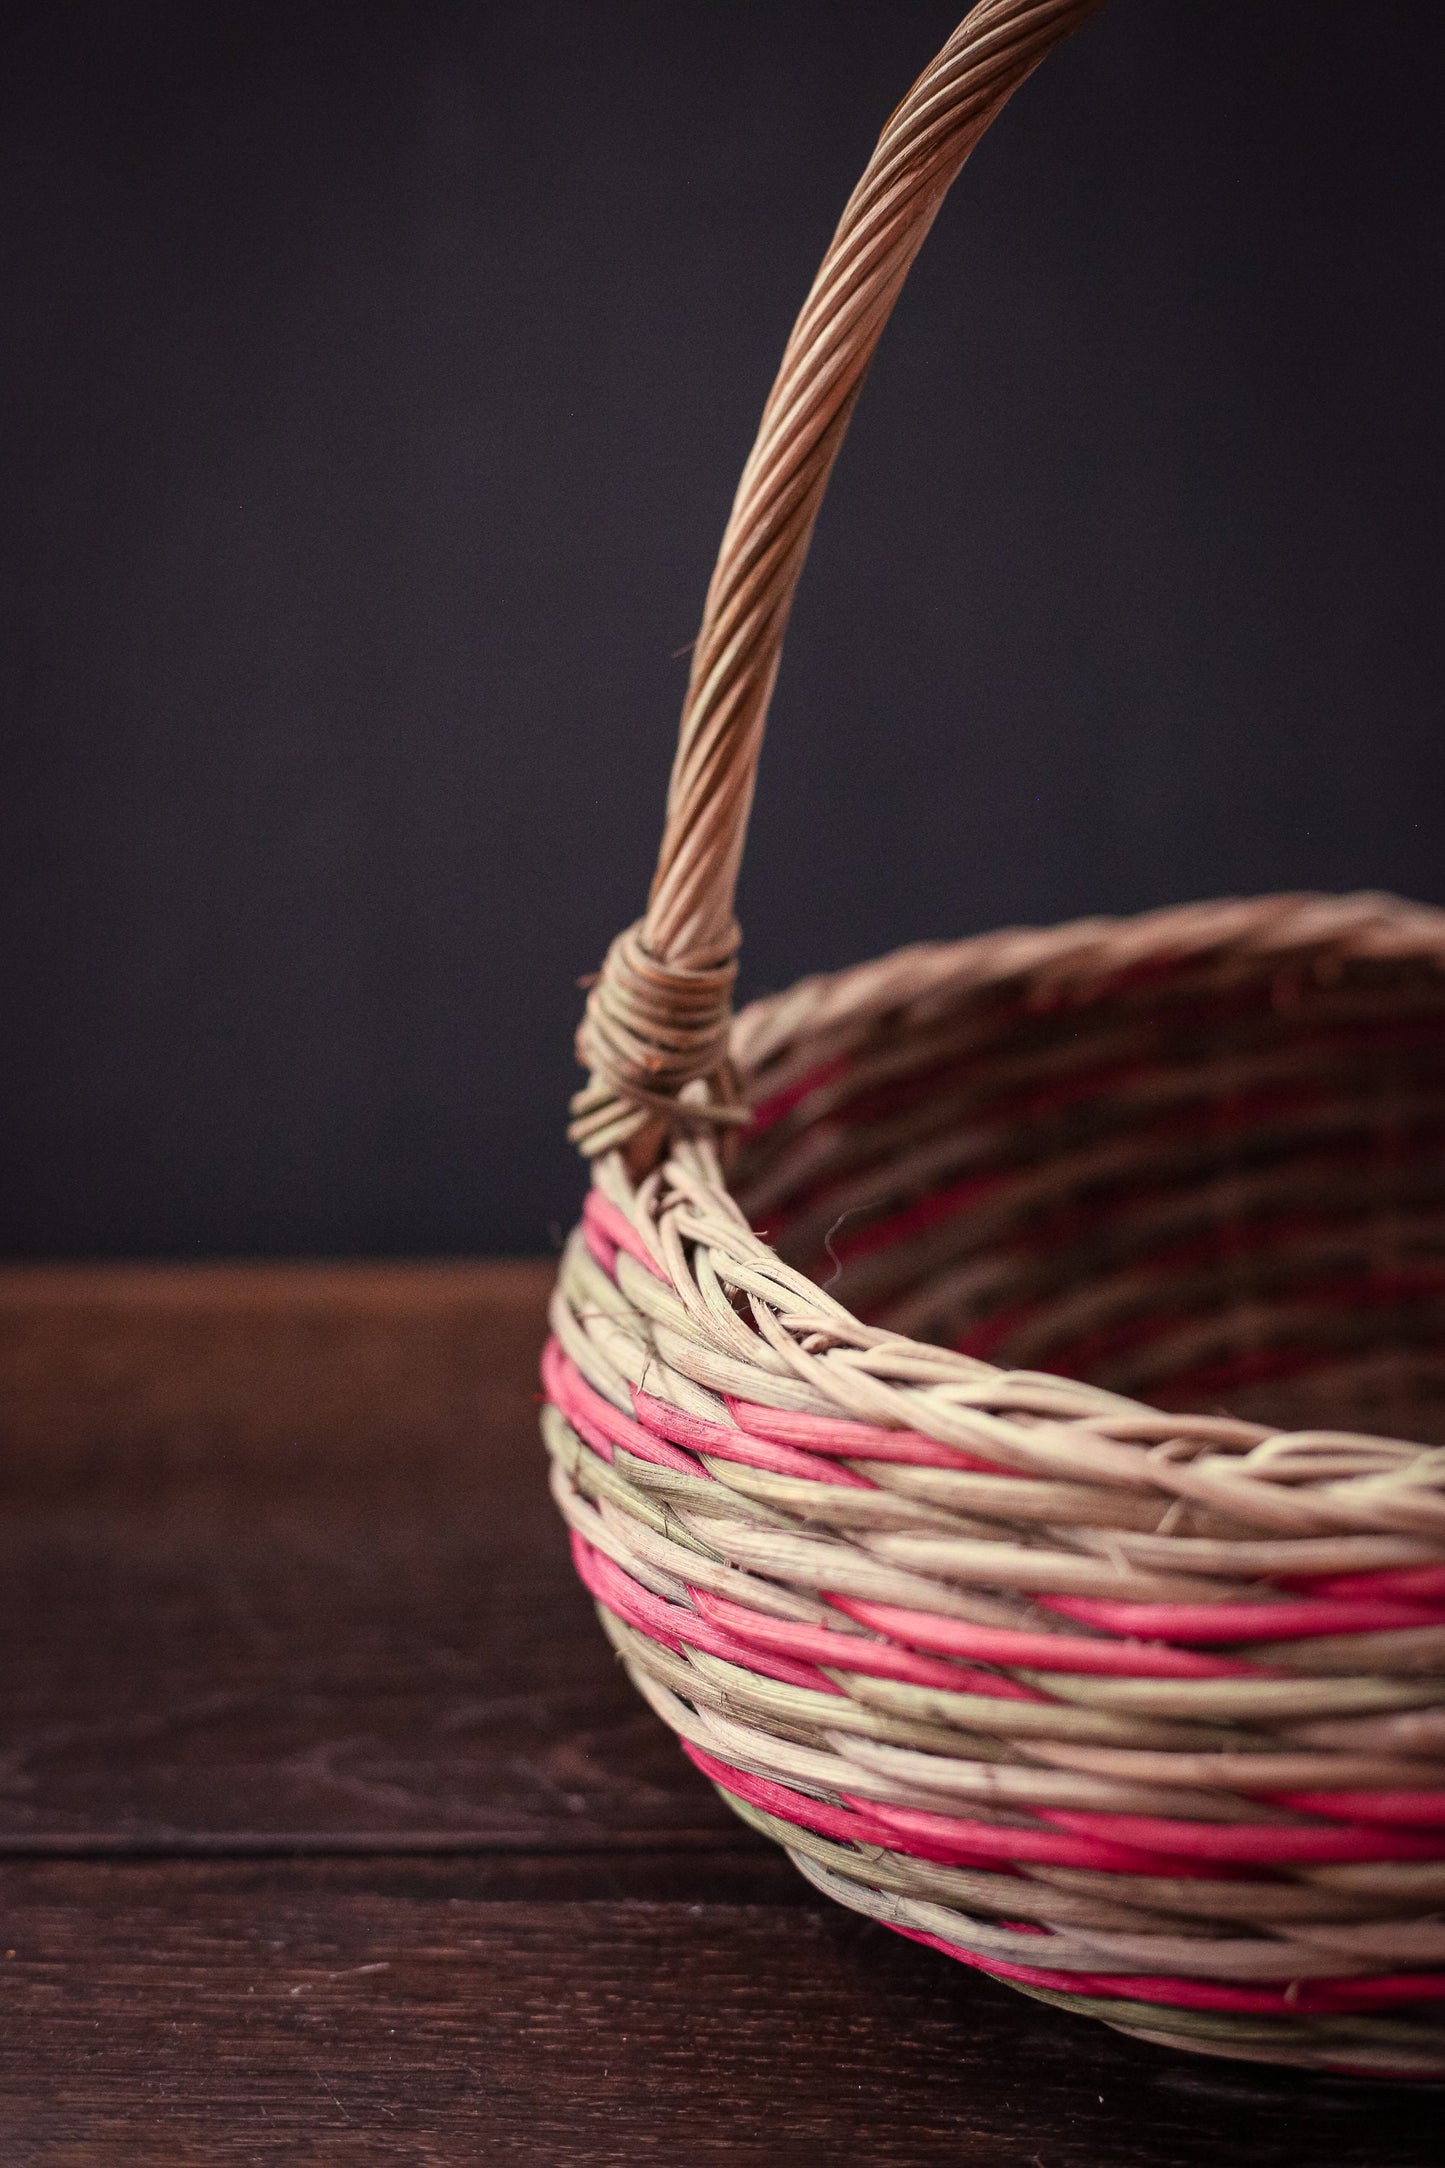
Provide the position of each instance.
(376, 378)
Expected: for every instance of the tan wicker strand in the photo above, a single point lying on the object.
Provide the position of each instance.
(1136, 1702)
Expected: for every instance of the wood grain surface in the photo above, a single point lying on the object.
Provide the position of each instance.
(330, 1833)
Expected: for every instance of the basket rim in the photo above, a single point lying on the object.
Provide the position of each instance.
(806, 1354)
(1295, 930)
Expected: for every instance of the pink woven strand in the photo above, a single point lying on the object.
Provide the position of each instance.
(616, 1228)
(856, 1652)
(1424, 1810)
(1303, 1998)
(1425, 1584)
(596, 1420)
(699, 1435)
(847, 1440)
(955, 1841)
(1235, 1622)
(1041, 1652)
(1082, 1357)
(1211, 1014)
(599, 1249)
(672, 1625)
(850, 1825)
(769, 1111)
(1258, 1844)
(941, 1840)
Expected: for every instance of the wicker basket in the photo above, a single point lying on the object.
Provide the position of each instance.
(1142, 1711)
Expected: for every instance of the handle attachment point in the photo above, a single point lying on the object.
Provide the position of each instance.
(654, 1038)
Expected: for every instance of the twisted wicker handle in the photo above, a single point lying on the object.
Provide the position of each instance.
(655, 1032)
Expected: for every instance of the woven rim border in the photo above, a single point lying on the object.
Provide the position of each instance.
(1140, 1712)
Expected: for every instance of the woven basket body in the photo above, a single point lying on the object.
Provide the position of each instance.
(874, 1357)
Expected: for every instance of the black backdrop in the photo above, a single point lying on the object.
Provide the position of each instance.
(376, 378)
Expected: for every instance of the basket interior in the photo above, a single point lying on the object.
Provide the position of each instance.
(1201, 1186)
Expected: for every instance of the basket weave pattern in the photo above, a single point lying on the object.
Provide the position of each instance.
(883, 1505)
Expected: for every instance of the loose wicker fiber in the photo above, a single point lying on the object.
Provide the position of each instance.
(892, 1509)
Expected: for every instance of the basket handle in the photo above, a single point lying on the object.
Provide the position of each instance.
(655, 1032)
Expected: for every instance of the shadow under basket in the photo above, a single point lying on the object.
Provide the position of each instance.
(980, 1383)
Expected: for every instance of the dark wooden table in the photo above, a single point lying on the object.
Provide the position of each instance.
(330, 1833)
